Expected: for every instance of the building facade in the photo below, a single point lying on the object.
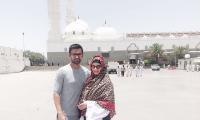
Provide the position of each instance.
(105, 40)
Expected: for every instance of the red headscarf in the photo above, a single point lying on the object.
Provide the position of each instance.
(101, 61)
(99, 88)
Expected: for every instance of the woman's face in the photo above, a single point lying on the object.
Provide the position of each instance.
(96, 68)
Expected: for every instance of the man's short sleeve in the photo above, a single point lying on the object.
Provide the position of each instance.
(58, 82)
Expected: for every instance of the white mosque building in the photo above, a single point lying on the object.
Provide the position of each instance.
(12, 60)
(105, 40)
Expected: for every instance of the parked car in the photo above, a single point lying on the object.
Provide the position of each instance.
(112, 67)
(155, 67)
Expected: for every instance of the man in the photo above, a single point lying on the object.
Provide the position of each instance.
(137, 70)
(140, 70)
(68, 85)
(118, 71)
(122, 70)
(197, 68)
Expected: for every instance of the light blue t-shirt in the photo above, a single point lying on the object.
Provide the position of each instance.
(68, 84)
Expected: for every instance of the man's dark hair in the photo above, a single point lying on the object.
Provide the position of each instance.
(75, 46)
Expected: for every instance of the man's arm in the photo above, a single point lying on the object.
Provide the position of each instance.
(61, 114)
(58, 83)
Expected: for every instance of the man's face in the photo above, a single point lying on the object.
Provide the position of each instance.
(76, 56)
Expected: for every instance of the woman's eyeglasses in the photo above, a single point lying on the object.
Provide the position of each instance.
(96, 66)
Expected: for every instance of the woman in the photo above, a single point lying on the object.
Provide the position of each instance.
(97, 97)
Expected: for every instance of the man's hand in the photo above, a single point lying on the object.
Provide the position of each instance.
(61, 116)
(82, 106)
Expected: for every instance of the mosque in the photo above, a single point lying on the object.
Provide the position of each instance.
(106, 40)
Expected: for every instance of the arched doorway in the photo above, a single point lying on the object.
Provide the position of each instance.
(132, 53)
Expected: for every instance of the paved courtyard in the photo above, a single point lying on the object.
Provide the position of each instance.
(157, 95)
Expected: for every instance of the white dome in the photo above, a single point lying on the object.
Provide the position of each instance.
(105, 32)
(77, 26)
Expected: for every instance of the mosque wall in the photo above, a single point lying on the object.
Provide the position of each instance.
(62, 58)
(11, 60)
(124, 43)
(167, 42)
(118, 49)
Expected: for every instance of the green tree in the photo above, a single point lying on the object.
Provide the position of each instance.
(156, 51)
(179, 52)
(35, 57)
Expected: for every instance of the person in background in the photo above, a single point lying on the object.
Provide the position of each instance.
(122, 70)
(137, 70)
(118, 71)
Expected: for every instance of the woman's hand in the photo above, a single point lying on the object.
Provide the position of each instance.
(82, 106)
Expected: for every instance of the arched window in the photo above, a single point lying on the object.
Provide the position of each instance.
(73, 32)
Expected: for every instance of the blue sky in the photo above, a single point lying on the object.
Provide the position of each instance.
(30, 17)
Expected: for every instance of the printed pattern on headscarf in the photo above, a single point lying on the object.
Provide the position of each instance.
(100, 89)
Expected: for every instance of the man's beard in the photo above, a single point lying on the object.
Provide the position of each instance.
(76, 61)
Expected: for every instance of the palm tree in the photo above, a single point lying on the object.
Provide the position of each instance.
(156, 51)
(179, 52)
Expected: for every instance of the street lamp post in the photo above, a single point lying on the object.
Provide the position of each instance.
(175, 61)
(158, 58)
(23, 43)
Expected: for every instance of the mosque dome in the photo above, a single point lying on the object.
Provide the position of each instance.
(105, 32)
(77, 30)
(77, 27)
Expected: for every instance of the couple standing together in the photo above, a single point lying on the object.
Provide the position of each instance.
(80, 94)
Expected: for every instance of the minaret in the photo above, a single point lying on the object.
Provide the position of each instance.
(54, 33)
(70, 17)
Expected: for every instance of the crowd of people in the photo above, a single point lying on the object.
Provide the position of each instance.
(192, 67)
(128, 70)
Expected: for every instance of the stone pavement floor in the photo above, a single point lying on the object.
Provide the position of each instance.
(157, 95)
